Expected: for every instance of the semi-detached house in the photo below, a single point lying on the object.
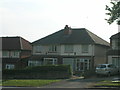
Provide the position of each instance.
(114, 52)
(77, 47)
(14, 51)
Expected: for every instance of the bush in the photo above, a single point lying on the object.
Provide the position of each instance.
(39, 72)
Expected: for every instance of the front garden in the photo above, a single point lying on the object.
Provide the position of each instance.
(39, 72)
(35, 76)
(107, 84)
(27, 83)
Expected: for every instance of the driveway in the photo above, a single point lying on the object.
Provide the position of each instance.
(78, 82)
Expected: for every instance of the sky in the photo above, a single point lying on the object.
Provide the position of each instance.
(35, 19)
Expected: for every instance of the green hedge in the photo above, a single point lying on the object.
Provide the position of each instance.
(39, 72)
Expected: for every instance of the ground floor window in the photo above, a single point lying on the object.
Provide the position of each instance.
(9, 66)
(116, 61)
(82, 64)
(50, 61)
(34, 63)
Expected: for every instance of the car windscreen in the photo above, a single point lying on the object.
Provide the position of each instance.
(101, 66)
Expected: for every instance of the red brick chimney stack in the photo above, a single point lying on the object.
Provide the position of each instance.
(67, 30)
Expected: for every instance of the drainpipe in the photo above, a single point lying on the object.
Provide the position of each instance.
(74, 62)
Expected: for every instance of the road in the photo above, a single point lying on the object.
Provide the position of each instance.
(70, 83)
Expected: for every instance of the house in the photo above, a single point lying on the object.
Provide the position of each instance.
(77, 47)
(14, 50)
(114, 53)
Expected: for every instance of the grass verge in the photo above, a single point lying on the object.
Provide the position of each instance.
(107, 84)
(27, 83)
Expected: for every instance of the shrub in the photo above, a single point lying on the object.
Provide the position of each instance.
(39, 72)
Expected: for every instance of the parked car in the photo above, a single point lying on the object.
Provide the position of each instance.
(106, 69)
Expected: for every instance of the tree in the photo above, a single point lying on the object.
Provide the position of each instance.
(113, 12)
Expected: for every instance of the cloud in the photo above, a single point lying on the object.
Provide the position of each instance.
(34, 19)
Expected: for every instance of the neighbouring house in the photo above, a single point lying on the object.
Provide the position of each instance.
(114, 53)
(14, 51)
(77, 47)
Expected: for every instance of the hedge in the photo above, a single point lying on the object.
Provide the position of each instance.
(39, 72)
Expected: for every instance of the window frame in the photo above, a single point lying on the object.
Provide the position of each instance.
(32, 63)
(52, 61)
(15, 54)
(52, 48)
(9, 66)
(85, 48)
(7, 54)
(68, 48)
(38, 49)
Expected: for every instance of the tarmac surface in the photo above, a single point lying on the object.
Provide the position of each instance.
(73, 83)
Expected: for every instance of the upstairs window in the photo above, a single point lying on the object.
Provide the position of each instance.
(15, 54)
(69, 48)
(52, 48)
(5, 54)
(85, 48)
(38, 49)
(116, 44)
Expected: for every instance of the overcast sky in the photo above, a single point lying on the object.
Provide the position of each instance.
(34, 19)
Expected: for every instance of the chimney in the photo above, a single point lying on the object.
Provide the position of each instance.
(67, 30)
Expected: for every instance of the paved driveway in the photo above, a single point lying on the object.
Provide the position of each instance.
(78, 82)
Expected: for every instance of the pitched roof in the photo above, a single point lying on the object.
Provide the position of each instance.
(73, 36)
(115, 36)
(15, 43)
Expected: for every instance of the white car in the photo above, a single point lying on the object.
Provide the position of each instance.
(106, 69)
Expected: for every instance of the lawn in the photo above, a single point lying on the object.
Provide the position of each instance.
(27, 83)
(107, 84)
(0, 82)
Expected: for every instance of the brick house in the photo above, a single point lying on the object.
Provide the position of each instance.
(77, 47)
(14, 51)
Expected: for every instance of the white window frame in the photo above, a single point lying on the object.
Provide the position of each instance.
(34, 63)
(52, 48)
(85, 48)
(79, 61)
(68, 48)
(52, 61)
(15, 54)
(38, 48)
(3, 53)
(9, 66)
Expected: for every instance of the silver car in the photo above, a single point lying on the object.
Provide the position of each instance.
(106, 69)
